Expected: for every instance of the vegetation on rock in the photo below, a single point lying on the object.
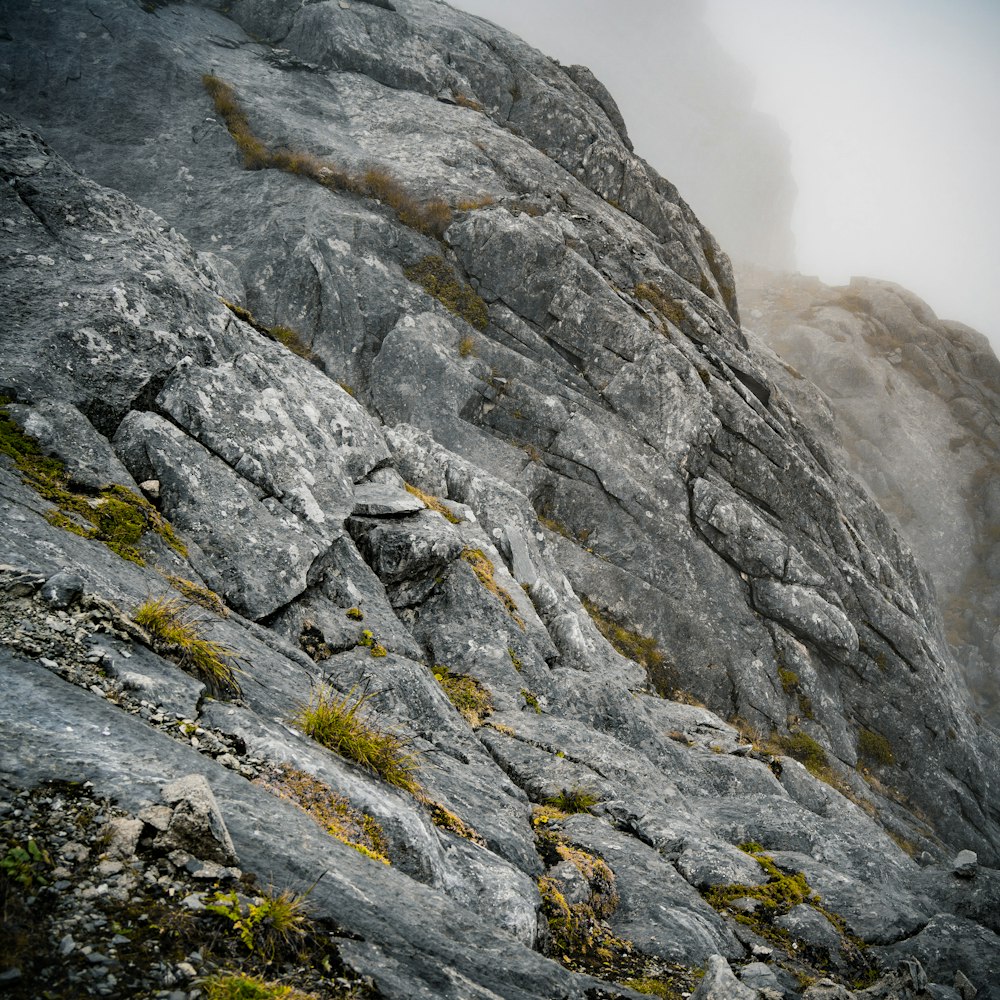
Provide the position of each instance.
(437, 277)
(114, 515)
(432, 502)
(177, 634)
(472, 699)
(484, 569)
(343, 724)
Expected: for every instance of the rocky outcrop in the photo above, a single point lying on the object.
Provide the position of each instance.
(916, 402)
(513, 517)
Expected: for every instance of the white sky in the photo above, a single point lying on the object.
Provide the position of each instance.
(893, 112)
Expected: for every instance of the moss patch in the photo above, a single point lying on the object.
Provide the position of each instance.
(284, 335)
(485, 570)
(115, 515)
(333, 812)
(665, 307)
(445, 819)
(432, 502)
(436, 276)
(643, 649)
(875, 748)
(472, 699)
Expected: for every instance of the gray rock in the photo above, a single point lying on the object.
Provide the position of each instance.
(965, 864)
(196, 823)
(808, 925)
(153, 679)
(62, 590)
(377, 500)
(720, 983)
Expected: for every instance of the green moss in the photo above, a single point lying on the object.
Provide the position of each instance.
(114, 515)
(438, 279)
(643, 649)
(472, 699)
(515, 659)
(665, 307)
(807, 751)
(789, 680)
(239, 986)
(284, 335)
(531, 700)
(333, 812)
(875, 748)
(484, 569)
(369, 642)
(355, 614)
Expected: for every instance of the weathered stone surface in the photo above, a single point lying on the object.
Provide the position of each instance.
(721, 984)
(610, 434)
(62, 589)
(196, 824)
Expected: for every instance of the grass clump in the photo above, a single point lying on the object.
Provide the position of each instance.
(200, 595)
(176, 634)
(875, 748)
(665, 307)
(466, 346)
(342, 724)
(240, 986)
(531, 700)
(789, 680)
(436, 276)
(643, 649)
(485, 570)
(573, 800)
(333, 812)
(473, 701)
(284, 335)
(433, 503)
(471, 204)
(806, 750)
(430, 217)
(114, 515)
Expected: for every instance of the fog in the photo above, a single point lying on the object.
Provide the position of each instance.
(891, 108)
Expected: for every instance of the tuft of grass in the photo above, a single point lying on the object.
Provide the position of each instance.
(473, 701)
(806, 750)
(114, 515)
(436, 276)
(573, 800)
(431, 217)
(643, 649)
(515, 660)
(176, 634)
(484, 570)
(433, 503)
(471, 204)
(200, 595)
(342, 724)
(875, 748)
(333, 812)
(531, 700)
(466, 346)
(284, 335)
(464, 101)
(789, 680)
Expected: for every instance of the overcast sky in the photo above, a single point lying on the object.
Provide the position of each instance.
(892, 108)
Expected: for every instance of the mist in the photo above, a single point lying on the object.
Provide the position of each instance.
(890, 108)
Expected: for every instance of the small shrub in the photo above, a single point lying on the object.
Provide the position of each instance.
(438, 279)
(484, 570)
(26, 865)
(433, 503)
(339, 723)
(271, 925)
(176, 634)
(573, 800)
(473, 701)
(875, 748)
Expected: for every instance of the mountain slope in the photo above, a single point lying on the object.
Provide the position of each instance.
(555, 352)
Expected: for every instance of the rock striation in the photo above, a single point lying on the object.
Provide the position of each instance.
(385, 381)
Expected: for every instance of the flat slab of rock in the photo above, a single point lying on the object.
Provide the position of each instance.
(382, 500)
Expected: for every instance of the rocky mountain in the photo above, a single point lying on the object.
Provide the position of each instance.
(415, 582)
(916, 402)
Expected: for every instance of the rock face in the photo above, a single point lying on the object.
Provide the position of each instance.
(916, 403)
(624, 507)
